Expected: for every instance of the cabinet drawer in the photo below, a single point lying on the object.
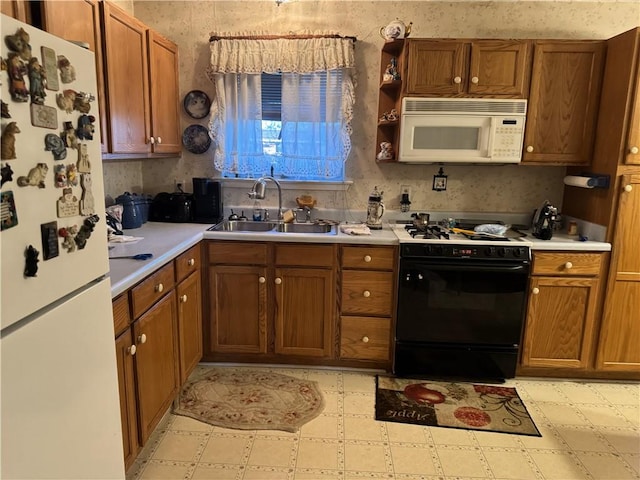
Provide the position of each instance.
(367, 293)
(370, 258)
(305, 255)
(569, 263)
(365, 338)
(188, 263)
(150, 290)
(121, 314)
(237, 253)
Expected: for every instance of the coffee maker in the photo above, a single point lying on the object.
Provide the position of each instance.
(375, 210)
(543, 221)
(207, 201)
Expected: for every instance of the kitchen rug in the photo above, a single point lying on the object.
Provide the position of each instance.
(453, 405)
(249, 399)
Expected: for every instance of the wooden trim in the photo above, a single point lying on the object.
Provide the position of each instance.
(214, 38)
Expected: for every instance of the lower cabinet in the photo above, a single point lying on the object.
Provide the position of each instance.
(561, 314)
(189, 294)
(125, 351)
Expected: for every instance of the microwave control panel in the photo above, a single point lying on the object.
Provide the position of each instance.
(507, 137)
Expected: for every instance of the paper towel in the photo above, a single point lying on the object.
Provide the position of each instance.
(577, 181)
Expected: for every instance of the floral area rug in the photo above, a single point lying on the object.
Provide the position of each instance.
(249, 399)
(454, 405)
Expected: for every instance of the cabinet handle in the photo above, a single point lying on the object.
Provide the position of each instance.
(634, 150)
(365, 339)
(457, 80)
(278, 281)
(475, 80)
(152, 140)
(366, 293)
(183, 299)
(535, 290)
(568, 265)
(367, 258)
(159, 288)
(262, 279)
(142, 338)
(191, 262)
(132, 350)
(529, 149)
(159, 140)
(628, 188)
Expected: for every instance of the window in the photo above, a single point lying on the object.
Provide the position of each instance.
(292, 125)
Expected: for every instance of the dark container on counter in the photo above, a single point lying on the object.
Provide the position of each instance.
(131, 216)
(207, 201)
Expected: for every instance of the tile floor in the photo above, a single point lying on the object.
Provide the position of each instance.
(590, 430)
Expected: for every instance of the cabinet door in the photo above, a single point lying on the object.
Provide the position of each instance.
(126, 65)
(163, 84)
(156, 363)
(563, 102)
(189, 324)
(436, 67)
(304, 311)
(632, 156)
(559, 324)
(238, 307)
(80, 20)
(620, 332)
(18, 9)
(125, 350)
(499, 67)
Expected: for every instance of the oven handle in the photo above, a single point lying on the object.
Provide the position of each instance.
(473, 267)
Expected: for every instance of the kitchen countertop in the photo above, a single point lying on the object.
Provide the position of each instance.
(168, 240)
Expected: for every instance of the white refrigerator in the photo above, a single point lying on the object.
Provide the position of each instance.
(60, 409)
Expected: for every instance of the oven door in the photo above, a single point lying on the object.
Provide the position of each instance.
(461, 301)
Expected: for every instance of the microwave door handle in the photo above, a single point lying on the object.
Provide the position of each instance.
(492, 133)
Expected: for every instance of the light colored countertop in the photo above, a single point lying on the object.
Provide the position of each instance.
(165, 241)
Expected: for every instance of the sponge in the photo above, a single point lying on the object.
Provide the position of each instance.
(287, 216)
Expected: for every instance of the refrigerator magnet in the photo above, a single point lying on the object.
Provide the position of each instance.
(17, 71)
(67, 71)
(68, 204)
(8, 214)
(37, 81)
(84, 164)
(7, 174)
(49, 234)
(87, 202)
(8, 141)
(68, 234)
(19, 43)
(72, 175)
(65, 100)
(49, 63)
(85, 230)
(43, 116)
(54, 144)
(31, 261)
(60, 175)
(68, 135)
(36, 176)
(5, 110)
(86, 128)
(82, 102)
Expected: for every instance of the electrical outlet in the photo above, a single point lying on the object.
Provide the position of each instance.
(178, 184)
(405, 189)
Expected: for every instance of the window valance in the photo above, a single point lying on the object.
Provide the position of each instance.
(300, 53)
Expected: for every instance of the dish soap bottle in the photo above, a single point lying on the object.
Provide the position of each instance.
(257, 211)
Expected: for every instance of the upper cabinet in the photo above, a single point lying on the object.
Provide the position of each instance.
(563, 102)
(142, 86)
(389, 97)
(18, 9)
(468, 68)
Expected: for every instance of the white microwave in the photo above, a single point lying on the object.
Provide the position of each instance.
(461, 130)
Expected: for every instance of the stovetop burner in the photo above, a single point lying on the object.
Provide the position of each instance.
(437, 232)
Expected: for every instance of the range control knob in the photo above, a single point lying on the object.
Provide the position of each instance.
(518, 252)
(501, 251)
(490, 251)
(437, 249)
(428, 249)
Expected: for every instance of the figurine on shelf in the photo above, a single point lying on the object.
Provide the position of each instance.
(385, 151)
(391, 72)
(390, 116)
(396, 30)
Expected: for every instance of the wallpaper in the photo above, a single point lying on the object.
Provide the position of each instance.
(514, 188)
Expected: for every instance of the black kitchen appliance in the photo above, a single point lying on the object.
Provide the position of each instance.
(543, 220)
(171, 207)
(207, 201)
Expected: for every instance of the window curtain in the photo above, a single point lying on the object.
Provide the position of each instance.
(316, 129)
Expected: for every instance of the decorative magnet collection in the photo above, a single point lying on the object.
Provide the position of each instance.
(29, 79)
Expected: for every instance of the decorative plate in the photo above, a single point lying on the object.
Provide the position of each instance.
(196, 104)
(196, 139)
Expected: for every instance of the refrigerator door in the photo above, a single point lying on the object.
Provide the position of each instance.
(59, 400)
(37, 207)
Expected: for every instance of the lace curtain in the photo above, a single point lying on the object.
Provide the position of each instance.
(316, 129)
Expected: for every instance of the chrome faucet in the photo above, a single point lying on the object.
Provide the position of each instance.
(259, 188)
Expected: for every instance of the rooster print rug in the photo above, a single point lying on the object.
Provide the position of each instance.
(492, 408)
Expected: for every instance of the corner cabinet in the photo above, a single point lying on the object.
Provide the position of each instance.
(142, 87)
(563, 102)
(389, 98)
(444, 67)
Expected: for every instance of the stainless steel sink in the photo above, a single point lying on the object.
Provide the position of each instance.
(243, 226)
(306, 228)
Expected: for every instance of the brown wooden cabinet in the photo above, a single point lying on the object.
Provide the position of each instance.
(18, 9)
(271, 299)
(448, 67)
(560, 321)
(189, 296)
(368, 277)
(389, 97)
(563, 102)
(142, 86)
(125, 351)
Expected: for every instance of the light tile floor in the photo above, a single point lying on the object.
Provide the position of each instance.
(590, 430)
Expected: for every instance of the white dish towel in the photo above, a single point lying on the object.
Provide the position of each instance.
(355, 229)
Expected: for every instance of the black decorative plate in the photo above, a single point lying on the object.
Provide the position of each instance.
(196, 104)
(196, 139)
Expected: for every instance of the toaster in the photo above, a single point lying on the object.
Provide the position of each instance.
(171, 207)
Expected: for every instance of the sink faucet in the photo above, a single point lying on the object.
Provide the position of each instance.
(258, 190)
